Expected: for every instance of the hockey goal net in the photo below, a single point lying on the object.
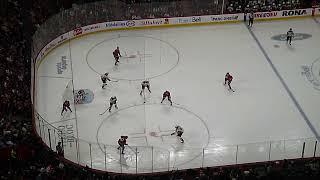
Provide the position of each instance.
(68, 93)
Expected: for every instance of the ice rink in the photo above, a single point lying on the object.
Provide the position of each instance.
(276, 98)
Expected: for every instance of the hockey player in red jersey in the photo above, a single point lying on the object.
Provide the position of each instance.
(66, 104)
(165, 95)
(122, 141)
(228, 79)
(116, 55)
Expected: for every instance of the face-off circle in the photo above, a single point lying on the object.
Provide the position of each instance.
(149, 127)
(297, 36)
(143, 57)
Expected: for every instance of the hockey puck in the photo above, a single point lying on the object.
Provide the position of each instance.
(276, 46)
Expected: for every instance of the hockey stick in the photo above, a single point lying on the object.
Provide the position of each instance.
(114, 80)
(104, 112)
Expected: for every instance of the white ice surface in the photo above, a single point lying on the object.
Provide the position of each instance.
(191, 63)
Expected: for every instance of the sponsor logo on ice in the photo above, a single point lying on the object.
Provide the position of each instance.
(67, 132)
(297, 36)
(61, 66)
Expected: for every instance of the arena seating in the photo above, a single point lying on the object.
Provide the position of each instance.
(22, 153)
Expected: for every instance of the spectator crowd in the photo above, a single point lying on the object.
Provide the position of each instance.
(22, 153)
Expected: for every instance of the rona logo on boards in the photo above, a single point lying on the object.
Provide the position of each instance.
(298, 12)
(61, 66)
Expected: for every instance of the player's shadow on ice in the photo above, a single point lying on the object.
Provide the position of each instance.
(290, 47)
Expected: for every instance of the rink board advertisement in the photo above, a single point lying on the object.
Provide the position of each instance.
(127, 24)
(206, 19)
(158, 22)
(282, 14)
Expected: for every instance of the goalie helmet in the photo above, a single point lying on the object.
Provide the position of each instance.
(106, 74)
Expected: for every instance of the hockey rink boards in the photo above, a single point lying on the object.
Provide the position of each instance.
(276, 98)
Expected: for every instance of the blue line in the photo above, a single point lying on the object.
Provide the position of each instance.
(306, 119)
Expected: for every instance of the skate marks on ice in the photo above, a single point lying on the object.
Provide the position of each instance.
(149, 126)
(143, 57)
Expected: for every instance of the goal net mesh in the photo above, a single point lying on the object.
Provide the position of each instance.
(68, 93)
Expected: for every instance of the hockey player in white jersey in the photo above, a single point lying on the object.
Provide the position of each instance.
(145, 84)
(104, 79)
(290, 35)
(178, 132)
(113, 101)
